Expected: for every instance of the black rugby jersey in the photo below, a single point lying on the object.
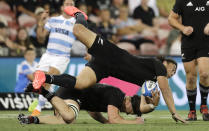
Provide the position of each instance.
(96, 98)
(129, 68)
(137, 70)
(194, 13)
(109, 60)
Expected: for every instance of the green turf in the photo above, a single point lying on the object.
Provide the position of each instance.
(156, 121)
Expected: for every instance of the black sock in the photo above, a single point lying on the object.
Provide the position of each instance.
(204, 94)
(80, 19)
(191, 94)
(48, 95)
(49, 78)
(63, 80)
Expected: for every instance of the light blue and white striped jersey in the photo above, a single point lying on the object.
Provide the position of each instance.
(24, 69)
(61, 35)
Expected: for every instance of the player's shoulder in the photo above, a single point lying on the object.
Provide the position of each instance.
(72, 20)
(56, 19)
(157, 62)
(160, 68)
(24, 63)
(182, 1)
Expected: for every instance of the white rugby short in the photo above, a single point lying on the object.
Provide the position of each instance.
(50, 60)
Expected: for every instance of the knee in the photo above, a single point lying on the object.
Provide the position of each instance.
(68, 119)
(77, 29)
(191, 80)
(204, 76)
(82, 83)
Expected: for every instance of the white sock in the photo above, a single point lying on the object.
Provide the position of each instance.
(52, 88)
(41, 102)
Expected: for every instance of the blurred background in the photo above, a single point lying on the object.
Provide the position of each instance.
(138, 26)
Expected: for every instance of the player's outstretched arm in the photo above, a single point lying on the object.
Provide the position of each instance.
(98, 117)
(168, 97)
(115, 118)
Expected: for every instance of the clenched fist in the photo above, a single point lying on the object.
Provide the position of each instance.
(188, 30)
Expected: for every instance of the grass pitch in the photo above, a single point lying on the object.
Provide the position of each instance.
(155, 121)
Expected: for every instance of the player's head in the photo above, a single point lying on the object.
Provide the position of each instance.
(30, 54)
(135, 101)
(67, 3)
(170, 65)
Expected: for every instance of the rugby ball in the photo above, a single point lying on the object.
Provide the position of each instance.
(147, 87)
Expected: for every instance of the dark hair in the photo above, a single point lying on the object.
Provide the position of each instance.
(135, 101)
(29, 49)
(169, 60)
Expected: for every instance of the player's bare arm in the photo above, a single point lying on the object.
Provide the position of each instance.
(41, 32)
(168, 97)
(30, 77)
(115, 118)
(98, 117)
(174, 21)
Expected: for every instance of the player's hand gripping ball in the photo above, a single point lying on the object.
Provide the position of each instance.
(148, 87)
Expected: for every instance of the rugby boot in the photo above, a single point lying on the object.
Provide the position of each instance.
(39, 79)
(23, 119)
(204, 111)
(192, 116)
(71, 11)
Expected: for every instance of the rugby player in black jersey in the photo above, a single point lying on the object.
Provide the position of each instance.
(96, 99)
(109, 60)
(191, 17)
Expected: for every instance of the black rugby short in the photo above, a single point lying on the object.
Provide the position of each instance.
(108, 59)
(189, 54)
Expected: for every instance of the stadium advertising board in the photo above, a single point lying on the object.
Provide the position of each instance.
(9, 69)
(18, 101)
